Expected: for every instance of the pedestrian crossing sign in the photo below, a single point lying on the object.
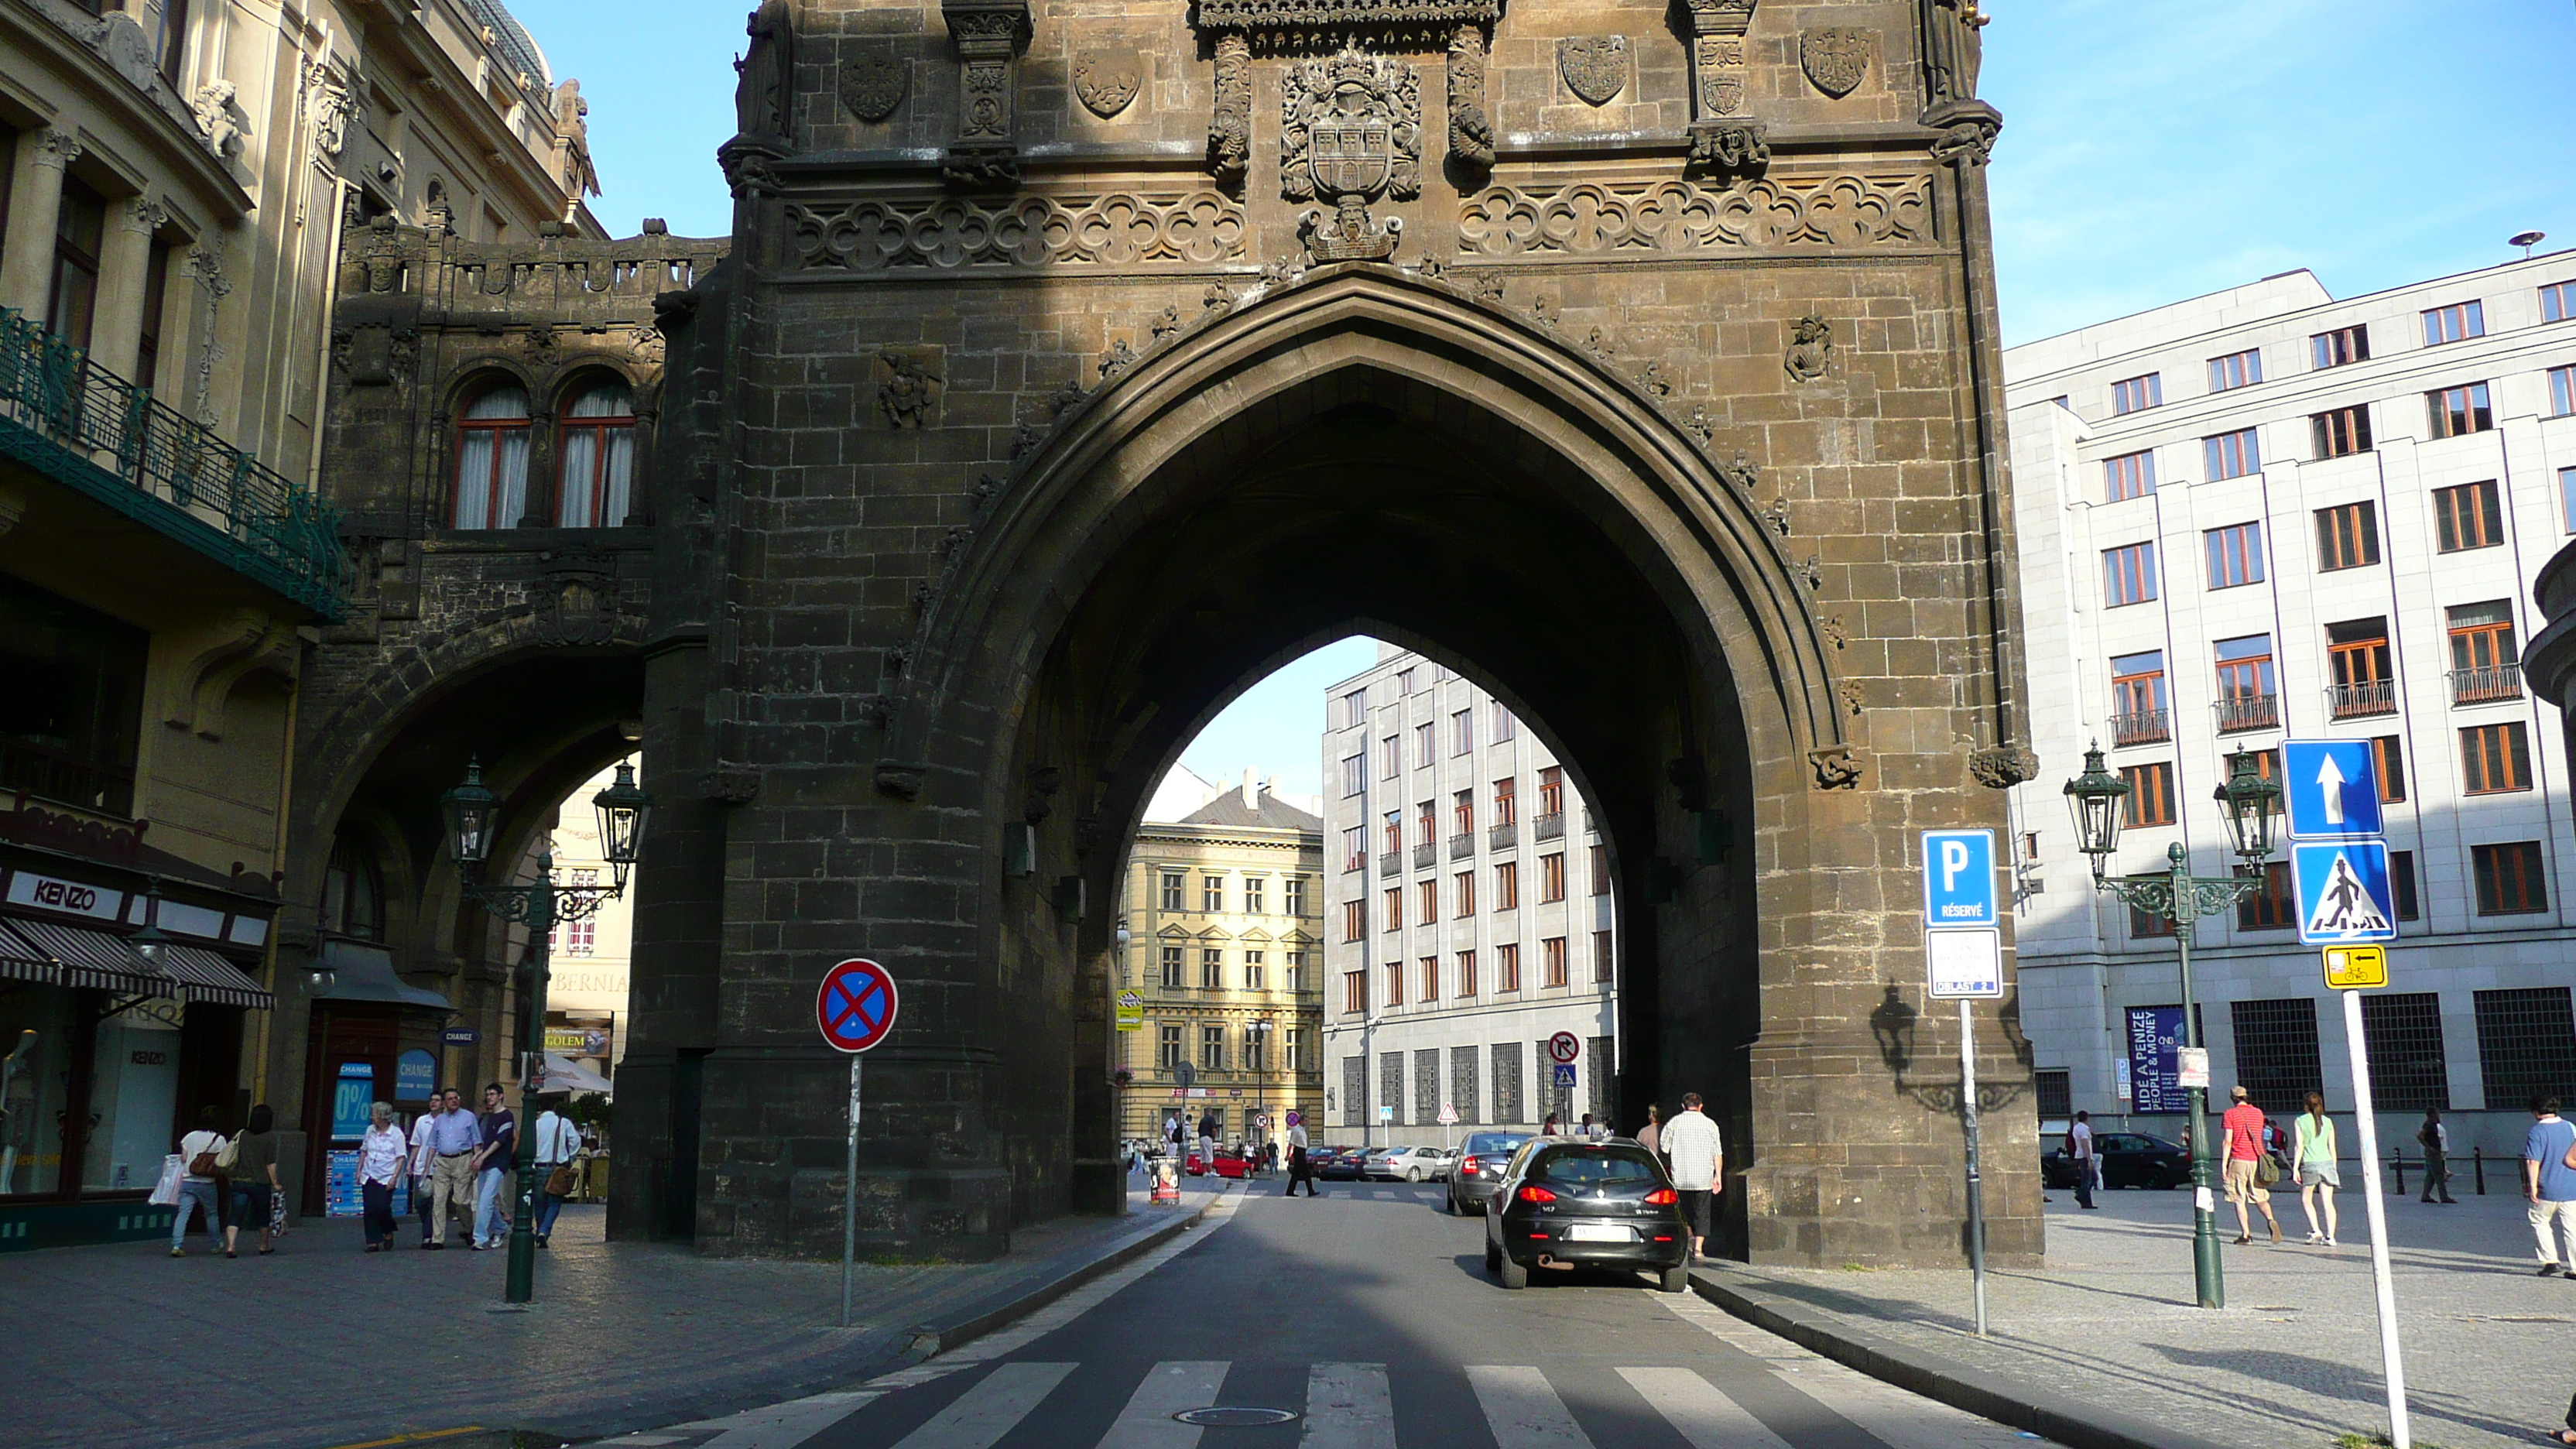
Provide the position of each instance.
(2344, 894)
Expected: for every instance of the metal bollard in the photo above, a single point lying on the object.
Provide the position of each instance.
(2397, 1169)
(2478, 1160)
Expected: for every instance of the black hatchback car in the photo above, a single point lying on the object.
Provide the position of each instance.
(1568, 1203)
(2129, 1159)
(1479, 1169)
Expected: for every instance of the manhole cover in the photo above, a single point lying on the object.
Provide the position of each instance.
(1235, 1416)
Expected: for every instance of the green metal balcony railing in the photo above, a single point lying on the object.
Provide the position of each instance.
(93, 431)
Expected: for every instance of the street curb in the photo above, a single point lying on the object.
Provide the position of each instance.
(1009, 1305)
(2040, 1411)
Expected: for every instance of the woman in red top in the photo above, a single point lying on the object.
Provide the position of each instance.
(2244, 1125)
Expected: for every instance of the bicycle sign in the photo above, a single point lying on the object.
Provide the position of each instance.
(856, 1005)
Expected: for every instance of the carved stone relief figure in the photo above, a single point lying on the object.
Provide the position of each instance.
(1594, 67)
(1810, 350)
(1230, 126)
(1350, 132)
(1471, 130)
(1835, 58)
(1107, 81)
(986, 36)
(1953, 48)
(765, 93)
(328, 107)
(873, 80)
(904, 389)
(219, 119)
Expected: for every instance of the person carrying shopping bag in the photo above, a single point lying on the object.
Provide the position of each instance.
(254, 1177)
(198, 1150)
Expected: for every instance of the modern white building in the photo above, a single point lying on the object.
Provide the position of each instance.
(1469, 920)
(2267, 514)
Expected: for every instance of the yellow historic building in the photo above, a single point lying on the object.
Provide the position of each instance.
(1225, 959)
(176, 178)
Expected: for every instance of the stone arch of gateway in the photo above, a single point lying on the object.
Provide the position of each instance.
(1074, 366)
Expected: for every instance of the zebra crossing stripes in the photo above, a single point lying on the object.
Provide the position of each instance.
(991, 1409)
(1147, 1423)
(1522, 1408)
(1694, 1407)
(1348, 1407)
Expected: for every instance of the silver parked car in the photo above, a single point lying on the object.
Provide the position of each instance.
(1479, 1168)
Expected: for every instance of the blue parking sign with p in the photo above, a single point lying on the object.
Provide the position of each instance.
(1959, 878)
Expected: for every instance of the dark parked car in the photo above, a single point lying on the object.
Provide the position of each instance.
(1340, 1164)
(2129, 1159)
(1566, 1203)
(1481, 1160)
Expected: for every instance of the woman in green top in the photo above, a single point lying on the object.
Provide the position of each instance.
(2318, 1178)
(254, 1175)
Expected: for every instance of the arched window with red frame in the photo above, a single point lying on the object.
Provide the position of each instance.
(492, 458)
(598, 458)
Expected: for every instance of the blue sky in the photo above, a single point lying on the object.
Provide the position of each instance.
(2150, 153)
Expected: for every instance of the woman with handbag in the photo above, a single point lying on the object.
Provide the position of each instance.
(2318, 1176)
(251, 1160)
(558, 1143)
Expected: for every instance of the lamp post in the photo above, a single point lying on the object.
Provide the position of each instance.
(2251, 804)
(1256, 1035)
(471, 811)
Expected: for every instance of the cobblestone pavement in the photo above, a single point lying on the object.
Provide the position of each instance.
(2293, 1359)
(322, 1344)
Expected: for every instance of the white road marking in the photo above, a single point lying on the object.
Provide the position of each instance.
(1700, 1411)
(991, 1409)
(1147, 1422)
(1522, 1408)
(1348, 1407)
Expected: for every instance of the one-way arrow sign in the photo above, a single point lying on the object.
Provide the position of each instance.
(2332, 790)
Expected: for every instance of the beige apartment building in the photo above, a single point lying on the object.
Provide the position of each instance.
(1223, 953)
(175, 180)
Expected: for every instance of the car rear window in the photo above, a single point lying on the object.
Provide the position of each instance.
(1493, 1143)
(1593, 1166)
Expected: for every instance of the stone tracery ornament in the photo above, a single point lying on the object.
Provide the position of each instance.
(1106, 82)
(1835, 58)
(873, 80)
(1594, 67)
(1471, 130)
(1118, 229)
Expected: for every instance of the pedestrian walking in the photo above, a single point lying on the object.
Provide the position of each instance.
(2435, 1139)
(1651, 1136)
(2079, 1145)
(2246, 1165)
(2318, 1176)
(424, 1162)
(454, 1139)
(1699, 1166)
(1553, 1126)
(254, 1179)
(1298, 1168)
(197, 1153)
(2550, 1185)
(2568, 1434)
(1207, 1141)
(383, 1156)
(558, 1143)
(500, 1143)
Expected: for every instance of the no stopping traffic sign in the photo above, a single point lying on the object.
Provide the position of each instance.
(856, 1005)
(1564, 1047)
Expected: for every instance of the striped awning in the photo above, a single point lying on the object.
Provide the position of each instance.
(212, 979)
(22, 962)
(94, 959)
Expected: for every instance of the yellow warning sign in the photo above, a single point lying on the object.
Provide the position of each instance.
(2350, 967)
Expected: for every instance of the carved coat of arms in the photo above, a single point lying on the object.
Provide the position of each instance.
(1106, 83)
(1835, 58)
(873, 79)
(1594, 67)
(1351, 125)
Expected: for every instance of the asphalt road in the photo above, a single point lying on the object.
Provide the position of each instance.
(1369, 1315)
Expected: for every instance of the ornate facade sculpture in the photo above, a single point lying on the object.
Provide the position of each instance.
(218, 118)
(1724, 141)
(764, 94)
(1230, 126)
(328, 107)
(873, 80)
(1835, 58)
(1953, 50)
(1594, 67)
(1471, 129)
(903, 389)
(1810, 350)
(1107, 81)
(1350, 132)
(987, 36)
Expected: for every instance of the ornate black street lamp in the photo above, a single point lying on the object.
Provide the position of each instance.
(2251, 804)
(471, 810)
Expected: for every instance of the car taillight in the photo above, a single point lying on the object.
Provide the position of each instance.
(1535, 1194)
(1663, 1195)
(1466, 1164)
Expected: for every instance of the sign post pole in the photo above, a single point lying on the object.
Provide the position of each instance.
(855, 1007)
(2385, 1289)
(850, 1196)
(1964, 958)
(1976, 1188)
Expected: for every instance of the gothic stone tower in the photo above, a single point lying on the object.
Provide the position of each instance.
(1076, 364)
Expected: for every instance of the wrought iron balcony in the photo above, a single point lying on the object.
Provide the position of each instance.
(100, 435)
(2146, 727)
(2494, 684)
(1426, 855)
(2240, 712)
(1462, 845)
(2360, 701)
(1550, 826)
(1506, 836)
(1390, 863)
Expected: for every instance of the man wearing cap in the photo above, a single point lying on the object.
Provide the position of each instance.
(2244, 1126)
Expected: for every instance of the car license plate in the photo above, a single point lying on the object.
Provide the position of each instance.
(1599, 1233)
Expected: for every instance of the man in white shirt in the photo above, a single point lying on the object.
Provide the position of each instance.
(2079, 1145)
(558, 1142)
(1698, 1156)
(1298, 1170)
